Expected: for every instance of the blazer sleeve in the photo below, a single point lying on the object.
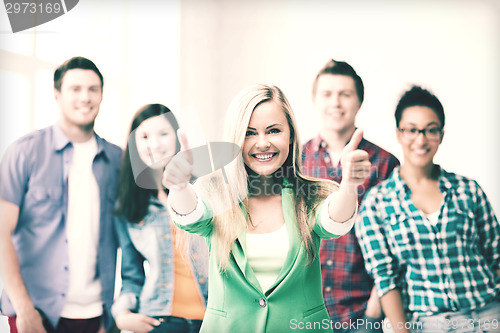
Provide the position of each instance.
(199, 221)
(325, 227)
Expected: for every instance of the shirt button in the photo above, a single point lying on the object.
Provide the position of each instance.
(65, 268)
(262, 302)
(202, 280)
(329, 262)
(328, 289)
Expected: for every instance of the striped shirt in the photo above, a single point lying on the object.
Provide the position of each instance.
(447, 266)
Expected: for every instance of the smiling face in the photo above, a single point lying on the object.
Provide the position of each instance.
(79, 98)
(267, 140)
(337, 102)
(419, 151)
(155, 140)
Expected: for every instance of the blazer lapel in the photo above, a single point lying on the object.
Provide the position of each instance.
(294, 239)
(238, 252)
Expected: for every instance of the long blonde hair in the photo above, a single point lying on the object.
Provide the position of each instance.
(225, 198)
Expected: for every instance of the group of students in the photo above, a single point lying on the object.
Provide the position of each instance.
(265, 245)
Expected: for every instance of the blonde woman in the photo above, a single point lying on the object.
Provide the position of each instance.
(264, 225)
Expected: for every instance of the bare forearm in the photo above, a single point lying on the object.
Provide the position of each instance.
(343, 203)
(12, 278)
(9, 262)
(27, 317)
(394, 311)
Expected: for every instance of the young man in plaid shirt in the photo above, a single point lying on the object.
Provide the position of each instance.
(347, 288)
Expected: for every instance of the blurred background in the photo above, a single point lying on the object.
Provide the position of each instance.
(194, 56)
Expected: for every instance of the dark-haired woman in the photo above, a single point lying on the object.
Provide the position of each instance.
(164, 270)
(430, 237)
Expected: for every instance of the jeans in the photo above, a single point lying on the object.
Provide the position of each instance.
(364, 324)
(486, 319)
(65, 325)
(171, 324)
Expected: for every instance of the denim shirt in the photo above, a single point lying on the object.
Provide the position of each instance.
(34, 177)
(151, 241)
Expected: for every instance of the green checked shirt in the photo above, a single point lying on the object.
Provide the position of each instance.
(445, 266)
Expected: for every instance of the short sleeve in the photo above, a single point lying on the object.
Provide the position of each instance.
(14, 174)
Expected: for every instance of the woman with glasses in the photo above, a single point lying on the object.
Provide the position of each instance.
(430, 237)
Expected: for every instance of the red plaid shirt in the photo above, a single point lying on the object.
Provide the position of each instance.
(346, 284)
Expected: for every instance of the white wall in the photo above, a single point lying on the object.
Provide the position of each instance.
(201, 53)
(450, 47)
(134, 44)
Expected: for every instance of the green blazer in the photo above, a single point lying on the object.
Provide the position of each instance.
(236, 302)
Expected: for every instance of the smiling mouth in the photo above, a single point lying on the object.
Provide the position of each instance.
(264, 157)
(86, 109)
(335, 115)
(420, 152)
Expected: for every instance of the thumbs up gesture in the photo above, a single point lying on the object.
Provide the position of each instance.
(355, 162)
(179, 170)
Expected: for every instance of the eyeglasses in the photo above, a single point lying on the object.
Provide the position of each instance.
(431, 133)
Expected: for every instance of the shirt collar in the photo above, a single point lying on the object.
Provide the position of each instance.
(318, 142)
(403, 189)
(61, 141)
(444, 182)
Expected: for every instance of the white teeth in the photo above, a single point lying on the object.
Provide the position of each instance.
(263, 156)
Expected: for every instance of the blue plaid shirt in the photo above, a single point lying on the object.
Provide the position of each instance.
(447, 266)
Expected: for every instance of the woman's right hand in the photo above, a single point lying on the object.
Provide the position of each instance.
(135, 322)
(179, 170)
